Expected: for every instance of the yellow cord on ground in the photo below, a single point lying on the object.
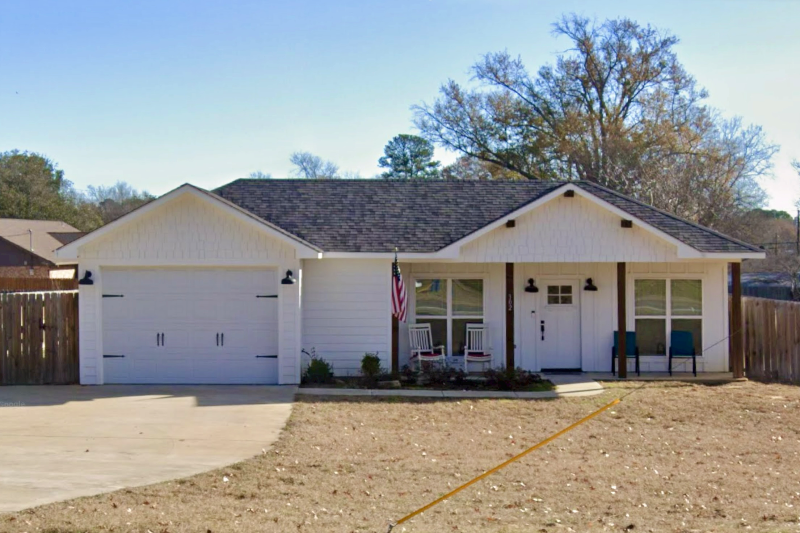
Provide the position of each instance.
(503, 465)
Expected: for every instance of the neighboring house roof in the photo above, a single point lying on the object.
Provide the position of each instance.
(42, 237)
(424, 216)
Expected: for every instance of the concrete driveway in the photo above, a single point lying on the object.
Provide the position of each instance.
(60, 442)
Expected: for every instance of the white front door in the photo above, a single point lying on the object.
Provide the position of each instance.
(551, 326)
(559, 325)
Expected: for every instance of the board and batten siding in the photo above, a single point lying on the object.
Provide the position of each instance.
(598, 310)
(185, 232)
(568, 230)
(346, 311)
(493, 275)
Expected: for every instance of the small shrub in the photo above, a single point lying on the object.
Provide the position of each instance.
(371, 370)
(509, 379)
(371, 366)
(443, 377)
(319, 371)
(408, 374)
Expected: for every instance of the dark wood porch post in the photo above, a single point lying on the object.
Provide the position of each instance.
(737, 335)
(395, 345)
(510, 315)
(622, 323)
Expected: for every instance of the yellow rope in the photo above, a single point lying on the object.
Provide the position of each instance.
(503, 465)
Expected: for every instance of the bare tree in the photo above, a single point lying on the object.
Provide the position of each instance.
(310, 166)
(617, 108)
(258, 175)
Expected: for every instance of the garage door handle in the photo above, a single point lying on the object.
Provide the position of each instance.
(162, 339)
(223, 339)
(158, 339)
(217, 339)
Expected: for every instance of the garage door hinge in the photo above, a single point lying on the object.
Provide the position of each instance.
(266, 295)
(113, 296)
(111, 356)
(266, 357)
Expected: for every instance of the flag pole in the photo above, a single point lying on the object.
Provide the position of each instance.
(395, 325)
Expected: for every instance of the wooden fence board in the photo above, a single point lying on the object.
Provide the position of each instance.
(771, 339)
(37, 284)
(38, 338)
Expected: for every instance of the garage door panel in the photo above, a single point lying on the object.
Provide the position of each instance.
(190, 307)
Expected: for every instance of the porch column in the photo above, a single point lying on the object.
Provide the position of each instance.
(395, 345)
(622, 323)
(509, 302)
(737, 335)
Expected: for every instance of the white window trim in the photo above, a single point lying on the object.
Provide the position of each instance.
(449, 316)
(669, 317)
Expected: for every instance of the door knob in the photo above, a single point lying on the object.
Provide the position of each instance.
(542, 327)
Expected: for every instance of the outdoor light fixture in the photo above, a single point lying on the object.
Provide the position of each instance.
(86, 279)
(288, 280)
(531, 286)
(589, 285)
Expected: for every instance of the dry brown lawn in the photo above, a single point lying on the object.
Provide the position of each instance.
(670, 457)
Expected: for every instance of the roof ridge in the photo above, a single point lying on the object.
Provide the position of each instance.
(671, 215)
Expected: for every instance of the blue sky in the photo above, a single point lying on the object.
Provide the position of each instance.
(161, 93)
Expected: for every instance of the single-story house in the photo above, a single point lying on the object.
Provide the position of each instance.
(232, 285)
(28, 248)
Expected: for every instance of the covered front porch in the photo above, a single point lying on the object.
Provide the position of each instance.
(562, 317)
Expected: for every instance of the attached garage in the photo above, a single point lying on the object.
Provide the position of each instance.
(190, 325)
(190, 289)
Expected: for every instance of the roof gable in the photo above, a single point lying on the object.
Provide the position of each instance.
(70, 251)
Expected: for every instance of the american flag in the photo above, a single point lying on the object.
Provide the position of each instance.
(398, 292)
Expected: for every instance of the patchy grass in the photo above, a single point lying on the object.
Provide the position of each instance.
(672, 457)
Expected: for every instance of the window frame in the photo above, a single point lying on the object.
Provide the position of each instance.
(449, 316)
(668, 317)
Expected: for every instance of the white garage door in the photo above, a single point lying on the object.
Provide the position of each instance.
(190, 326)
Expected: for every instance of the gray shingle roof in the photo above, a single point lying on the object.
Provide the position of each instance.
(422, 216)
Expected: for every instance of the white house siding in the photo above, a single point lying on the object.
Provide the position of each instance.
(599, 309)
(347, 311)
(493, 275)
(90, 332)
(568, 230)
(715, 309)
(187, 231)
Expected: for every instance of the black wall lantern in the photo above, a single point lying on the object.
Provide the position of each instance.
(589, 285)
(86, 279)
(288, 280)
(531, 286)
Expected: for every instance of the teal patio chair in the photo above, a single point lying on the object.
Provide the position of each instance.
(681, 346)
(631, 349)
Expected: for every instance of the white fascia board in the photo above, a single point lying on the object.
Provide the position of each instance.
(69, 252)
(734, 256)
(401, 256)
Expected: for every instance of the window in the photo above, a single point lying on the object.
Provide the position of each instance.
(559, 295)
(662, 306)
(448, 305)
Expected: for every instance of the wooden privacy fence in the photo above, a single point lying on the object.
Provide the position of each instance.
(37, 284)
(38, 338)
(771, 339)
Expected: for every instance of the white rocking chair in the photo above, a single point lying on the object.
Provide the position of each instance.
(422, 348)
(478, 348)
